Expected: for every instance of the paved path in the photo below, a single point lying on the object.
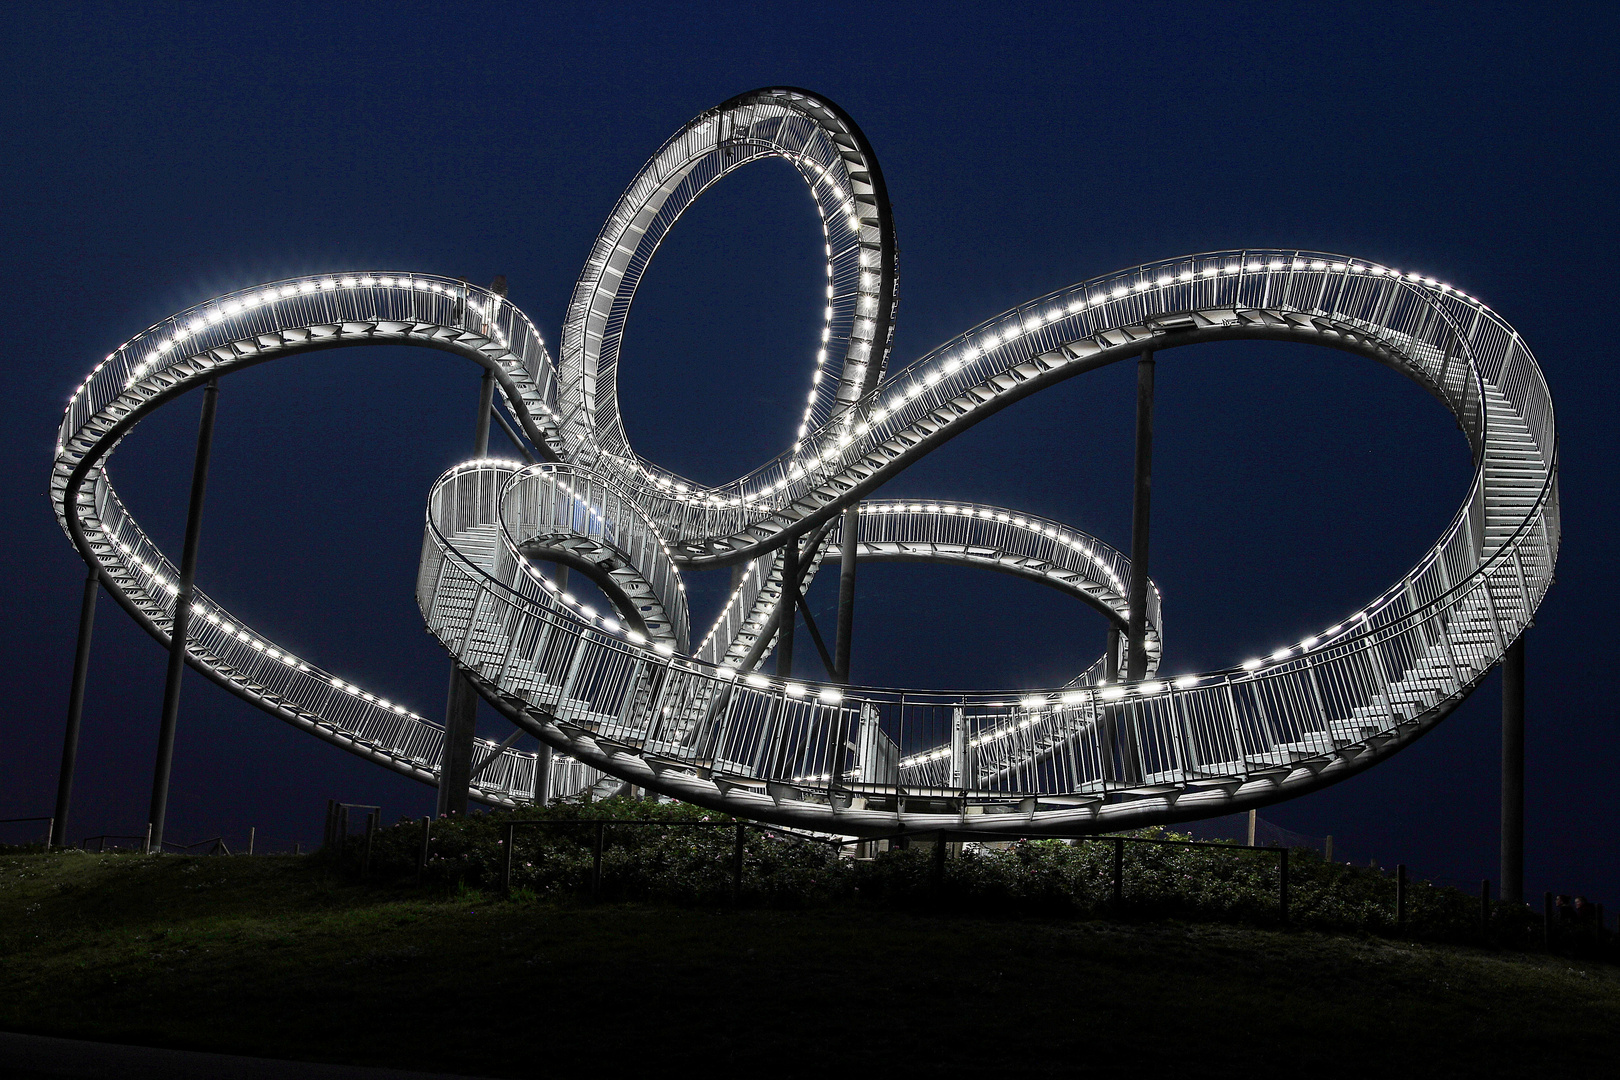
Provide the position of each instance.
(27, 1057)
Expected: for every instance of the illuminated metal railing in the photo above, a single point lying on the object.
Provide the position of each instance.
(616, 690)
(833, 158)
(1314, 297)
(1010, 542)
(565, 513)
(238, 330)
(954, 533)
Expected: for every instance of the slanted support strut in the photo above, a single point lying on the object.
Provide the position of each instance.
(1141, 505)
(542, 774)
(70, 739)
(790, 608)
(461, 701)
(1123, 750)
(848, 535)
(486, 412)
(180, 625)
(1513, 773)
(455, 767)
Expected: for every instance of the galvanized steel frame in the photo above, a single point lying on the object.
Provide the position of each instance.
(617, 691)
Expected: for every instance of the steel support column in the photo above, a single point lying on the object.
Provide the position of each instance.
(1512, 869)
(486, 411)
(790, 608)
(70, 739)
(1141, 504)
(542, 774)
(455, 767)
(848, 534)
(182, 617)
(1122, 742)
(461, 702)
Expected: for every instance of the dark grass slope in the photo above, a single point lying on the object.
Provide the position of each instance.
(279, 956)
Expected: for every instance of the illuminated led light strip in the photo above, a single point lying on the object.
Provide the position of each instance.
(772, 123)
(517, 473)
(1079, 543)
(970, 373)
(835, 439)
(195, 321)
(210, 615)
(1013, 329)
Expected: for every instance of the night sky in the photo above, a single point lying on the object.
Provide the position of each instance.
(155, 159)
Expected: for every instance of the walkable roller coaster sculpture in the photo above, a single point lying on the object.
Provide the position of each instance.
(627, 693)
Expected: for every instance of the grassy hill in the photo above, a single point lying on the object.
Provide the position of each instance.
(271, 956)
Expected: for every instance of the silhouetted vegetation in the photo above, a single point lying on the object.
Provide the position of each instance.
(298, 958)
(687, 857)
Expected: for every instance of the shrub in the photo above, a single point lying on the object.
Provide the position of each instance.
(688, 860)
(685, 855)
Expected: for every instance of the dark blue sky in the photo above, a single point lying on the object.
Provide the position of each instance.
(156, 158)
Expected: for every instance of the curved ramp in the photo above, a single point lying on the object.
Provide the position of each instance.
(619, 692)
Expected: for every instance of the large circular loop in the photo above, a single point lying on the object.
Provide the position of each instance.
(842, 173)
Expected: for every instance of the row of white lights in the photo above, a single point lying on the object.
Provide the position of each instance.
(581, 609)
(836, 183)
(246, 302)
(831, 178)
(736, 594)
(866, 304)
(1036, 703)
(827, 695)
(1012, 331)
(928, 373)
(226, 308)
(1032, 703)
(240, 633)
(760, 614)
(1059, 535)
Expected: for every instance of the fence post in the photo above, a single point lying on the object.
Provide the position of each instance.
(1282, 881)
(596, 860)
(343, 833)
(1119, 875)
(422, 852)
(253, 832)
(1485, 908)
(506, 859)
(146, 847)
(1327, 854)
(371, 834)
(737, 864)
(1400, 896)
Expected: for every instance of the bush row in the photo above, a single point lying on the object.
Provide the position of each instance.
(673, 861)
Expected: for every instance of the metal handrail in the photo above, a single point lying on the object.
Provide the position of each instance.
(858, 759)
(1017, 336)
(1377, 629)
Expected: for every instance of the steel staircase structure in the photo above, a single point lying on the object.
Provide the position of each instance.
(623, 694)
